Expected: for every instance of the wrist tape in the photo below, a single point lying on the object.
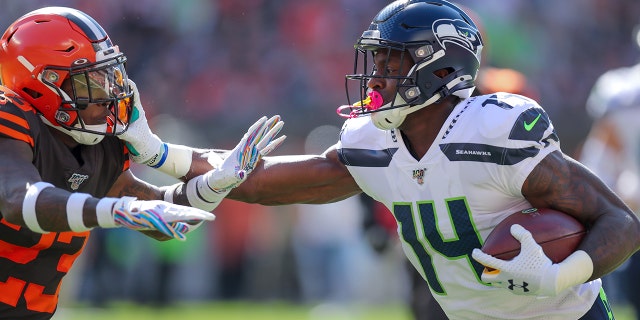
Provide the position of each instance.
(174, 160)
(29, 206)
(201, 196)
(104, 212)
(106, 207)
(168, 194)
(75, 205)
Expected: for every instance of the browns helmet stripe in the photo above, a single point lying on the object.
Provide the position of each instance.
(87, 24)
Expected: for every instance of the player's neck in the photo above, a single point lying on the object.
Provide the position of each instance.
(65, 138)
(420, 129)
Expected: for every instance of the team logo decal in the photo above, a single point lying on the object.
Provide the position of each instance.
(63, 116)
(81, 61)
(76, 180)
(513, 286)
(418, 174)
(459, 33)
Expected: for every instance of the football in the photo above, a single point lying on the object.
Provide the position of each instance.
(558, 233)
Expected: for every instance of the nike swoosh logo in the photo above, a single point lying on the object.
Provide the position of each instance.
(529, 126)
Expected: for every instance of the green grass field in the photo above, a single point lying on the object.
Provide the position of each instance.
(254, 311)
(236, 311)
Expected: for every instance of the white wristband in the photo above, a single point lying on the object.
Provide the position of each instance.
(175, 160)
(168, 194)
(201, 196)
(29, 206)
(75, 204)
(104, 212)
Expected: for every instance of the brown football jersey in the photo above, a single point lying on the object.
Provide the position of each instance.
(32, 264)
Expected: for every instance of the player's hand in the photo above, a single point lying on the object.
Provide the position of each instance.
(170, 219)
(186, 227)
(259, 141)
(530, 273)
(144, 146)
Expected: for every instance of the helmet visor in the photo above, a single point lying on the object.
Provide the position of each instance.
(104, 83)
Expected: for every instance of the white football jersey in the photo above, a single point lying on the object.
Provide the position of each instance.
(446, 203)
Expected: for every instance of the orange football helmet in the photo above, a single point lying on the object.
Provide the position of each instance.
(53, 48)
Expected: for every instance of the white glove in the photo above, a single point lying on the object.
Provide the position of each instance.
(186, 227)
(144, 146)
(257, 142)
(531, 272)
(207, 190)
(171, 219)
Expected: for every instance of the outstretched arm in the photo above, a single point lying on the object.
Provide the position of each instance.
(186, 163)
(274, 181)
(298, 179)
(207, 175)
(29, 202)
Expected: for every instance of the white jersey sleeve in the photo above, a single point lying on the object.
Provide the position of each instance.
(509, 134)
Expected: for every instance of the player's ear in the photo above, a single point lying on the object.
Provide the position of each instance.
(441, 73)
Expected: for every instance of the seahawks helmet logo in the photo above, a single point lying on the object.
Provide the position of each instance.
(457, 32)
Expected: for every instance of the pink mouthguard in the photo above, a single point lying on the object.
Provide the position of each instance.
(371, 103)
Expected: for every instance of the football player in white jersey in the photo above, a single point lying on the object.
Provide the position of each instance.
(450, 167)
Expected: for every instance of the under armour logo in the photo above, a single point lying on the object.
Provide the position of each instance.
(393, 136)
(76, 180)
(523, 286)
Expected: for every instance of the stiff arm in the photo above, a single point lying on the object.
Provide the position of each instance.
(312, 179)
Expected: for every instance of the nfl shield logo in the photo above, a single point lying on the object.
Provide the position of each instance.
(418, 174)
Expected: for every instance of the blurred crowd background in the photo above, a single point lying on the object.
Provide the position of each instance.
(207, 69)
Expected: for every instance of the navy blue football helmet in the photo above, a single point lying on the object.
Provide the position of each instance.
(435, 35)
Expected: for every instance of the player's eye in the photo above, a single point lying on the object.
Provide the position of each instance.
(82, 103)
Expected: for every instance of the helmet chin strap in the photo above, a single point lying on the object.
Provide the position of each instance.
(393, 118)
(81, 137)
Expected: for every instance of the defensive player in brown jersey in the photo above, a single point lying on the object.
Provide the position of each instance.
(66, 109)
